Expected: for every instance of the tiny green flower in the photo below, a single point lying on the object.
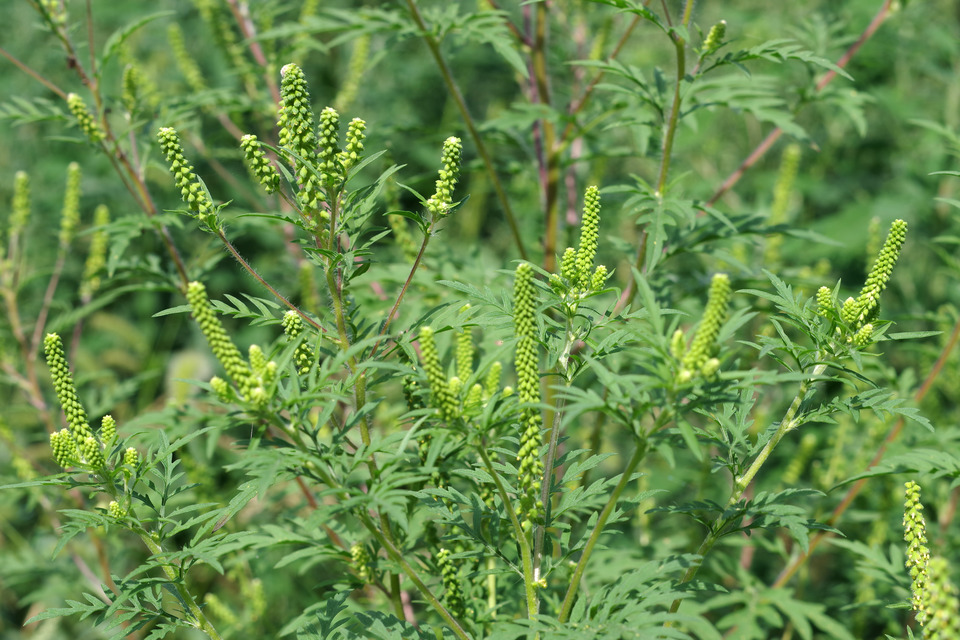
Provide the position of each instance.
(824, 302)
(298, 134)
(193, 193)
(329, 146)
(353, 150)
(439, 204)
(64, 447)
(715, 314)
(258, 163)
(361, 562)
(678, 344)
(114, 510)
(131, 83)
(185, 61)
(918, 555)
(473, 402)
(70, 217)
(714, 38)
(92, 453)
(355, 68)
(131, 458)
(465, 352)
(599, 278)
(108, 431)
(293, 327)
(491, 382)
(66, 391)
(528, 386)
(943, 616)
(568, 265)
(863, 335)
(85, 120)
(453, 592)
(442, 397)
(222, 389)
(97, 256)
(589, 236)
(868, 302)
(20, 209)
(220, 343)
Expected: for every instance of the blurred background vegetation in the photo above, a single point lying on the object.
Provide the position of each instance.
(868, 148)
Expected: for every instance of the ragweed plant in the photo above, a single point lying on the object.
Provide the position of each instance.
(403, 409)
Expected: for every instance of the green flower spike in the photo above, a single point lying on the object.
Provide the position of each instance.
(185, 61)
(355, 69)
(65, 450)
(84, 118)
(220, 343)
(108, 431)
(918, 555)
(66, 391)
(868, 302)
(943, 619)
(91, 451)
(329, 144)
(453, 592)
(97, 257)
(491, 383)
(258, 163)
(863, 335)
(131, 458)
(714, 38)
(353, 150)
(439, 204)
(130, 83)
(528, 388)
(114, 510)
(704, 340)
(70, 217)
(297, 133)
(361, 562)
(191, 190)
(222, 389)
(589, 236)
(464, 354)
(568, 265)
(824, 302)
(442, 398)
(303, 355)
(20, 209)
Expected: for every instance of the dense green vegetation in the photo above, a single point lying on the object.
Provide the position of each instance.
(346, 378)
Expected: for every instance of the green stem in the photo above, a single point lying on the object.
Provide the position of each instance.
(468, 121)
(608, 509)
(178, 583)
(530, 583)
(741, 483)
(397, 557)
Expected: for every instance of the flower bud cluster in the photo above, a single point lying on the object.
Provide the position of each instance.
(943, 619)
(185, 62)
(70, 216)
(453, 591)
(97, 256)
(258, 163)
(918, 555)
(303, 356)
(220, 343)
(20, 207)
(85, 120)
(578, 277)
(439, 204)
(530, 473)
(329, 147)
(353, 150)
(441, 395)
(360, 558)
(699, 359)
(193, 193)
(297, 133)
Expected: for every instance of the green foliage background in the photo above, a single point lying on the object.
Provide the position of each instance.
(869, 150)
